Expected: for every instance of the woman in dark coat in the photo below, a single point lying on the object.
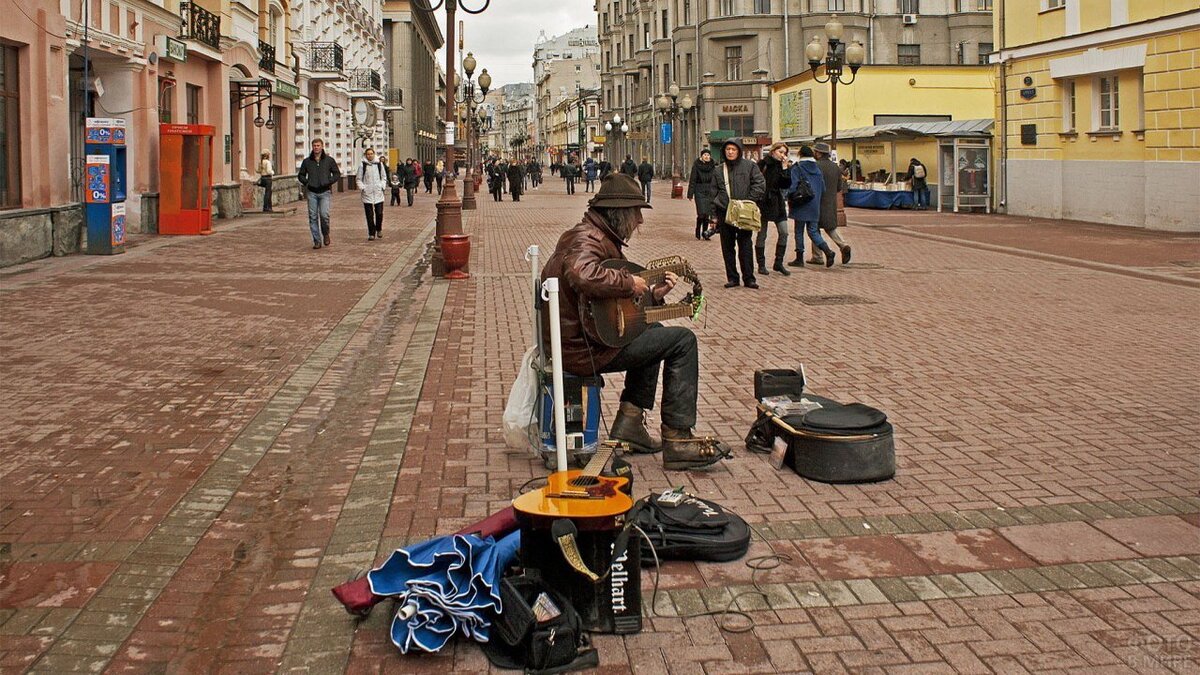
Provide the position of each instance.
(701, 188)
(745, 183)
(774, 210)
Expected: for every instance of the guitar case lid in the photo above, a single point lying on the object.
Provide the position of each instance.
(839, 419)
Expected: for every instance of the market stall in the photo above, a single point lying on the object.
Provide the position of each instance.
(879, 155)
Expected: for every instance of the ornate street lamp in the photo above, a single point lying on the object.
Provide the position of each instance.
(449, 207)
(615, 124)
(834, 62)
(671, 109)
(485, 83)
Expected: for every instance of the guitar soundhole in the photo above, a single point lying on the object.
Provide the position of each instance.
(585, 481)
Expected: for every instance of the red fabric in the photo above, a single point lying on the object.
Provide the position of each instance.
(499, 524)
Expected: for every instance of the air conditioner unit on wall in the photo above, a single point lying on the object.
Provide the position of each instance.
(909, 19)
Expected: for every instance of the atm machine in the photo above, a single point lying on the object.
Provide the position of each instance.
(104, 185)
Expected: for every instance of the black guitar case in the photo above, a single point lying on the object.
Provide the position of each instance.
(836, 443)
(695, 529)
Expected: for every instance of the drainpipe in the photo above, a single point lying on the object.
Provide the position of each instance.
(871, 33)
(1002, 183)
(787, 44)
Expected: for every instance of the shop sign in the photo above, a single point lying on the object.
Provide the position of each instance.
(171, 49)
(287, 89)
(717, 135)
(599, 139)
(734, 108)
(870, 149)
(638, 136)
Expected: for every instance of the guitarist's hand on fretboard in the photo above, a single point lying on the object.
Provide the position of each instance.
(668, 283)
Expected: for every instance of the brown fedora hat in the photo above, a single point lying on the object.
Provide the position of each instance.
(619, 191)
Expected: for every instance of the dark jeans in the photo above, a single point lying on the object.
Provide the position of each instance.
(439, 183)
(743, 240)
(428, 185)
(395, 196)
(374, 213)
(411, 191)
(673, 347)
(570, 185)
(589, 185)
(646, 191)
(266, 193)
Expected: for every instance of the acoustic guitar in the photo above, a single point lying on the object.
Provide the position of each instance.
(616, 322)
(581, 495)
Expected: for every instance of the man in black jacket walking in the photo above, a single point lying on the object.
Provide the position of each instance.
(746, 183)
(318, 172)
(645, 176)
(629, 167)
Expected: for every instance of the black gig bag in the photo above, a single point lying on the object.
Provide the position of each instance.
(694, 529)
(520, 642)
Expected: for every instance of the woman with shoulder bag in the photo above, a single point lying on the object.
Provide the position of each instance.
(739, 186)
(700, 188)
(265, 174)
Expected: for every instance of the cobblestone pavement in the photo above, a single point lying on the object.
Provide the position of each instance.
(187, 472)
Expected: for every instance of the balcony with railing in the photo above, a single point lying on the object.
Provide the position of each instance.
(366, 79)
(393, 98)
(200, 25)
(266, 59)
(325, 61)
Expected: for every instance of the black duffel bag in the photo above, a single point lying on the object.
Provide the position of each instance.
(693, 529)
(519, 641)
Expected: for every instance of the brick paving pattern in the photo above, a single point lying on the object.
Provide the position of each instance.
(252, 422)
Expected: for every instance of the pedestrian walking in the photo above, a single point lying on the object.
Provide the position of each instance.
(515, 178)
(701, 187)
(736, 178)
(397, 181)
(569, 173)
(645, 177)
(439, 173)
(590, 171)
(427, 170)
(605, 168)
(774, 209)
(318, 172)
(629, 167)
(531, 170)
(807, 188)
(372, 177)
(266, 174)
(917, 174)
(496, 177)
(411, 178)
(834, 185)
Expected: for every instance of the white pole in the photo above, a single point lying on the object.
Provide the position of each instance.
(550, 294)
(531, 254)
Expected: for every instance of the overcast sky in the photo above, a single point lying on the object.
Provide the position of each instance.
(503, 36)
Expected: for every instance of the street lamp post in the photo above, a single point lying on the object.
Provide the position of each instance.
(449, 207)
(672, 108)
(615, 124)
(485, 83)
(834, 63)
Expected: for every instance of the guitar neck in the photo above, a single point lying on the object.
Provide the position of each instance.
(598, 461)
(666, 312)
(657, 274)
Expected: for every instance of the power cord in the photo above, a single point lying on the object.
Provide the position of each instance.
(758, 564)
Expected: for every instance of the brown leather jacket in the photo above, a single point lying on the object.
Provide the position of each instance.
(576, 262)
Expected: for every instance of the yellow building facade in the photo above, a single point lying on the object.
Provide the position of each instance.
(1098, 110)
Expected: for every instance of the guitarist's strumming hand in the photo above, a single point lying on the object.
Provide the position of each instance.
(639, 286)
(668, 283)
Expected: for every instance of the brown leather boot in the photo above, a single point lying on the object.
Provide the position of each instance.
(630, 426)
(684, 450)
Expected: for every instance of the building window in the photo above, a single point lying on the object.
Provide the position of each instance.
(578, 68)
(1109, 104)
(836, 5)
(687, 58)
(10, 129)
(985, 48)
(910, 6)
(1069, 106)
(725, 8)
(980, 5)
(193, 104)
(666, 29)
(687, 12)
(646, 36)
(740, 125)
(762, 6)
(961, 51)
(1053, 4)
(908, 55)
(620, 98)
(666, 77)
(733, 63)
(605, 20)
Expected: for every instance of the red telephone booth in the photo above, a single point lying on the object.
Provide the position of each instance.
(185, 178)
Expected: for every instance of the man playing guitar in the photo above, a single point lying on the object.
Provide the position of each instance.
(613, 215)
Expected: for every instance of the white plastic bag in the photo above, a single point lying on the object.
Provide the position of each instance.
(519, 422)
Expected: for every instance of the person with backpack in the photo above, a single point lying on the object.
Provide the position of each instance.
(774, 209)
(629, 167)
(804, 201)
(920, 186)
(372, 178)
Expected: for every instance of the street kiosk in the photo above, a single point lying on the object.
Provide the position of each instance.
(185, 178)
(104, 188)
